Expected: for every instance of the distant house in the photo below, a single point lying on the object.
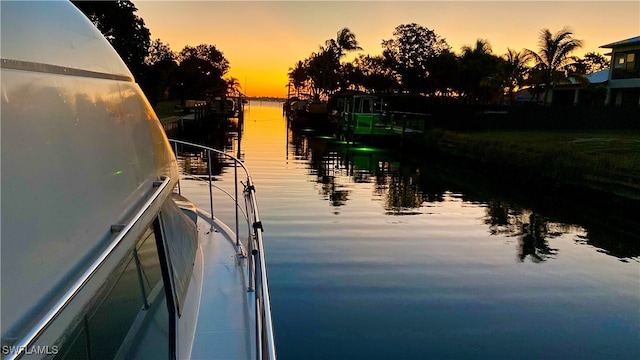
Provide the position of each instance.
(526, 95)
(623, 86)
(592, 89)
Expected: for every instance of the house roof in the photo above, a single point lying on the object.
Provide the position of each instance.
(598, 77)
(630, 41)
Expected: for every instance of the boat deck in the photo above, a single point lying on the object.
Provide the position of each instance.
(225, 320)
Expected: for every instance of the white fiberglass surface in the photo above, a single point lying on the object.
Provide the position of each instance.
(78, 156)
(225, 316)
(56, 33)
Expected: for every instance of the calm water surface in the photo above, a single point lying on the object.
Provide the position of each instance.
(378, 256)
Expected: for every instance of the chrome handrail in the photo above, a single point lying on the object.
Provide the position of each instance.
(258, 282)
(68, 296)
(267, 350)
(236, 162)
(244, 214)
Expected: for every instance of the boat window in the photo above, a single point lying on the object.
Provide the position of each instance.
(180, 236)
(130, 317)
(367, 106)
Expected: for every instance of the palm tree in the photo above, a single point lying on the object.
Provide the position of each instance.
(514, 70)
(345, 41)
(322, 71)
(482, 47)
(478, 67)
(233, 86)
(298, 76)
(553, 57)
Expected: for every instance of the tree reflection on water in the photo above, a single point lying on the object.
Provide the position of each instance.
(403, 195)
(406, 182)
(532, 229)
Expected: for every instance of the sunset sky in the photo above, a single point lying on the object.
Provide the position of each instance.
(263, 39)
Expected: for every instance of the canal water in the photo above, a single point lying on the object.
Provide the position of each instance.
(375, 254)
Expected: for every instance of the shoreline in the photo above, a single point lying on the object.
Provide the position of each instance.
(600, 162)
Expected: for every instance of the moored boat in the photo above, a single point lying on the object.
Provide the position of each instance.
(365, 114)
(107, 250)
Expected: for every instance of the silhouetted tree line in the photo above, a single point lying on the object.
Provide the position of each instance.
(416, 60)
(162, 74)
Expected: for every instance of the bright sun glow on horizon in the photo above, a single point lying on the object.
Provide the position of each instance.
(263, 39)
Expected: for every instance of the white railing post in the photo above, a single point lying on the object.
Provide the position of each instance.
(175, 152)
(210, 189)
(235, 183)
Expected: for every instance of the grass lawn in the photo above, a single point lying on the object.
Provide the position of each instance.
(166, 109)
(604, 158)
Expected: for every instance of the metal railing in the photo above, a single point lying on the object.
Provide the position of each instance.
(258, 281)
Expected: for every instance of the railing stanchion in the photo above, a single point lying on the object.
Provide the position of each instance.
(250, 245)
(235, 183)
(210, 189)
(175, 152)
